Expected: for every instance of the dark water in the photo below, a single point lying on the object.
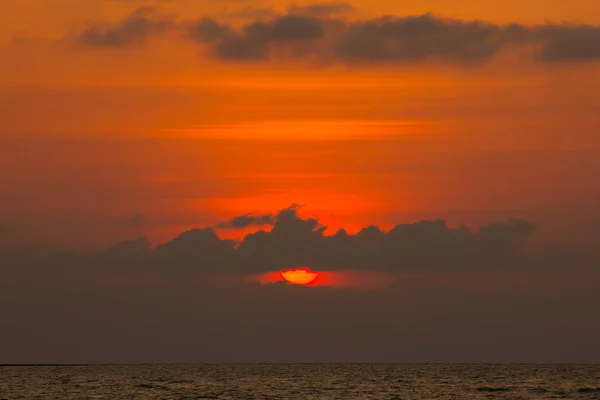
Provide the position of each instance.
(266, 381)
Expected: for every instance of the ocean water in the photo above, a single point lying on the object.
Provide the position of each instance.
(270, 381)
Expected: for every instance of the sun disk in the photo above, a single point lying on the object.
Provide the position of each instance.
(299, 276)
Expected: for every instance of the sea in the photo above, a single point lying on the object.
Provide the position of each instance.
(304, 381)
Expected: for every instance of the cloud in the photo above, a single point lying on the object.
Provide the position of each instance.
(254, 41)
(458, 295)
(315, 32)
(423, 246)
(322, 32)
(293, 241)
(133, 30)
(194, 248)
(570, 43)
(208, 30)
(248, 220)
(418, 38)
(58, 309)
(321, 10)
(286, 28)
(128, 255)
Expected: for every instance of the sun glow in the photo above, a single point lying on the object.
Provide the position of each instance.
(299, 276)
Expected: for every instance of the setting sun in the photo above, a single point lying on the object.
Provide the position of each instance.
(299, 276)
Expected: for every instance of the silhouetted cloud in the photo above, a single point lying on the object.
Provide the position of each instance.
(570, 43)
(133, 30)
(208, 30)
(314, 31)
(322, 10)
(319, 31)
(286, 28)
(426, 246)
(456, 295)
(118, 307)
(293, 241)
(254, 42)
(131, 254)
(423, 246)
(194, 248)
(417, 38)
(247, 220)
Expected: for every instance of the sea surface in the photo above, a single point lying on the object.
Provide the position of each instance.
(319, 381)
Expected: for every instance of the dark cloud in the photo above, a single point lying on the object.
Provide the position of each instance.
(322, 10)
(248, 220)
(570, 43)
(314, 31)
(129, 255)
(422, 247)
(461, 296)
(133, 30)
(65, 317)
(319, 31)
(207, 30)
(286, 28)
(241, 48)
(293, 241)
(61, 314)
(255, 41)
(417, 38)
(194, 248)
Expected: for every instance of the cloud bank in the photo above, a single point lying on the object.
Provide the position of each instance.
(293, 241)
(460, 296)
(319, 32)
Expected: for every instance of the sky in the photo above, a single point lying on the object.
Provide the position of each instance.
(435, 161)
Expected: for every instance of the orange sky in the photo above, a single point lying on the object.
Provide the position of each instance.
(91, 138)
